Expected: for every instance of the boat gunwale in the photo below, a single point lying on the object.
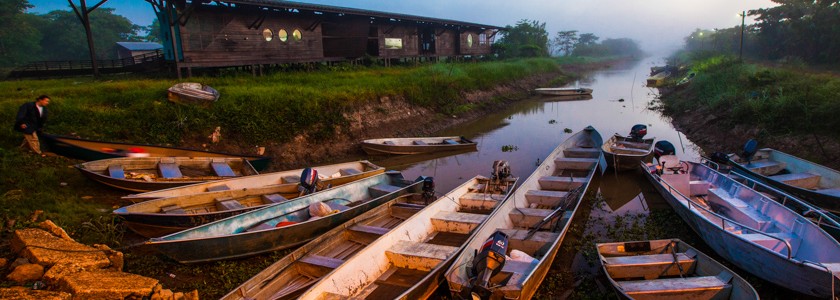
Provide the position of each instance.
(63, 138)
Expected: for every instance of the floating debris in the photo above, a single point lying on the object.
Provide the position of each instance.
(552, 121)
(567, 130)
(509, 148)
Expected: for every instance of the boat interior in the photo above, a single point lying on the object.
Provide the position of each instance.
(422, 142)
(750, 215)
(172, 169)
(556, 192)
(435, 240)
(765, 163)
(123, 149)
(319, 259)
(663, 269)
(623, 146)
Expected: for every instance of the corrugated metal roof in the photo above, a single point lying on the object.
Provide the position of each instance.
(352, 11)
(139, 46)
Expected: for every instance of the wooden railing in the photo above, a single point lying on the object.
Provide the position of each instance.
(80, 67)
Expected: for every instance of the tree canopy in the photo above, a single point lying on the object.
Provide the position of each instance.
(526, 39)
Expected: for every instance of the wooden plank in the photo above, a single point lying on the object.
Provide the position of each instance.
(545, 197)
(575, 163)
(273, 198)
(222, 169)
(649, 266)
(228, 204)
(457, 222)
(688, 283)
(558, 183)
(418, 256)
(348, 171)
(579, 152)
(529, 217)
(380, 190)
(169, 170)
(217, 188)
(172, 209)
(116, 171)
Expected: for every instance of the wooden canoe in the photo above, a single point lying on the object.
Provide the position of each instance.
(283, 225)
(417, 145)
(89, 150)
(192, 93)
(351, 247)
(563, 91)
(566, 98)
(624, 154)
(142, 174)
(167, 215)
(408, 261)
(669, 269)
(556, 187)
(331, 175)
(749, 229)
(813, 182)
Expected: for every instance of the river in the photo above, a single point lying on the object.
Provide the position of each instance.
(622, 206)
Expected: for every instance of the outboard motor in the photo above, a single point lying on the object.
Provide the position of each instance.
(428, 188)
(501, 170)
(308, 181)
(720, 158)
(487, 263)
(750, 148)
(663, 148)
(638, 132)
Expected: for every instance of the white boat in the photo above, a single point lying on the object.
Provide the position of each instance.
(624, 153)
(563, 91)
(747, 228)
(535, 220)
(405, 261)
(669, 269)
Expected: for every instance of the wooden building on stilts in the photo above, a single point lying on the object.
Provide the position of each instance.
(259, 33)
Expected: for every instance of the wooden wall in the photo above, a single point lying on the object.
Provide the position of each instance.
(408, 34)
(480, 42)
(446, 42)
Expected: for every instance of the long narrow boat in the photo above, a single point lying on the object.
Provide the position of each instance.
(566, 98)
(359, 246)
(192, 93)
(669, 269)
(749, 229)
(815, 183)
(283, 225)
(142, 174)
(563, 91)
(333, 175)
(89, 150)
(535, 219)
(167, 215)
(417, 145)
(624, 153)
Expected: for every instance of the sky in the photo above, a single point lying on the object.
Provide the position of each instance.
(658, 25)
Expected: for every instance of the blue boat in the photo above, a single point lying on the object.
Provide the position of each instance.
(282, 225)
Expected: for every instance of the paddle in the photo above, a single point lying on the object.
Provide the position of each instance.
(574, 193)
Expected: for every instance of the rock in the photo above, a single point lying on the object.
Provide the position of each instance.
(35, 215)
(44, 248)
(26, 273)
(191, 295)
(58, 271)
(107, 284)
(3, 263)
(166, 294)
(178, 296)
(22, 293)
(117, 258)
(50, 227)
(19, 261)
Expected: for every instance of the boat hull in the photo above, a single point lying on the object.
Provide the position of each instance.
(626, 160)
(563, 91)
(89, 150)
(376, 147)
(97, 173)
(222, 240)
(773, 267)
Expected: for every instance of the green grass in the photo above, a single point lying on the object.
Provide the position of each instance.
(783, 101)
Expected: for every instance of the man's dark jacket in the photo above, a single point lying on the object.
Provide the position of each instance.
(28, 114)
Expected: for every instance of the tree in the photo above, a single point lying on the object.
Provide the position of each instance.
(19, 39)
(803, 28)
(526, 39)
(153, 32)
(64, 37)
(566, 40)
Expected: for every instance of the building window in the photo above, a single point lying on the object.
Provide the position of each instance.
(296, 35)
(282, 35)
(268, 35)
(482, 39)
(469, 40)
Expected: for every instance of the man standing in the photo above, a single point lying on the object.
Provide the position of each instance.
(31, 118)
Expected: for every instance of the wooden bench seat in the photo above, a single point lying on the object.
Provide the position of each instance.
(650, 266)
(450, 142)
(366, 234)
(774, 244)
(218, 188)
(418, 256)
(479, 200)
(575, 163)
(169, 170)
(116, 171)
(702, 287)
(560, 183)
(290, 179)
(538, 241)
(223, 204)
(172, 210)
(457, 222)
(579, 152)
(545, 197)
(380, 190)
(765, 167)
(529, 217)
(349, 171)
(319, 265)
(420, 143)
(222, 169)
(629, 151)
(802, 180)
(738, 210)
(273, 198)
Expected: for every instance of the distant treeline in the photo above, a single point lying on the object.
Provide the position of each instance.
(528, 38)
(805, 31)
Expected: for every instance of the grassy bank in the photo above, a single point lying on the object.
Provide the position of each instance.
(777, 101)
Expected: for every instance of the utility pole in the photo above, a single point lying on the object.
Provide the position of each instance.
(741, 47)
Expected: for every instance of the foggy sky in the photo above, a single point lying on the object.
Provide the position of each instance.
(659, 25)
